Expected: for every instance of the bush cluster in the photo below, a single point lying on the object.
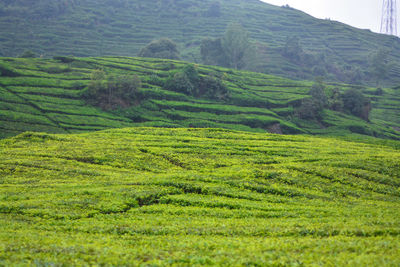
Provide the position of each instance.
(189, 82)
(163, 48)
(112, 92)
(351, 101)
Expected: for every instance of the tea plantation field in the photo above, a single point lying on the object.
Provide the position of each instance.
(180, 197)
(45, 95)
(122, 27)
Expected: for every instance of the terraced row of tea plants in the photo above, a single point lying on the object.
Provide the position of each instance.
(121, 28)
(157, 196)
(45, 95)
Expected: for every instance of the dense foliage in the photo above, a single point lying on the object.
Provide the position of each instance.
(380, 65)
(232, 50)
(356, 103)
(112, 92)
(121, 28)
(351, 101)
(163, 48)
(189, 82)
(151, 196)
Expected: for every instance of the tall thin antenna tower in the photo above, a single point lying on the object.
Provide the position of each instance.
(389, 17)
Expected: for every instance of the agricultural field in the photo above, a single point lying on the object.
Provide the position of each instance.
(180, 197)
(45, 95)
(122, 27)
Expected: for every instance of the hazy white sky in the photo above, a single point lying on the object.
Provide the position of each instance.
(364, 14)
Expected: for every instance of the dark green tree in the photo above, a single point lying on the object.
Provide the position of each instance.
(356, 103)
(97, 86)
(293, 49)
(236, 46)
(212, 53)
(311, 108)
(163, 48)
(380, 65)
(233, 50)
(335, 100)
(318, 94)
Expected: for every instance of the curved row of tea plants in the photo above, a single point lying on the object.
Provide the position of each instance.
(47, 95)
(157, 196)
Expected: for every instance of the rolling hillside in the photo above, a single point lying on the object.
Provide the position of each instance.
(45, 95)
(121, 27)
(180, 197)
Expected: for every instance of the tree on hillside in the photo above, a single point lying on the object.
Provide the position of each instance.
(233, 50)
(212, 53)
(163, 48)
(335, 100)
(311, 108)
(293, 49)
(380, 65)
(357, 104)
(236, 46)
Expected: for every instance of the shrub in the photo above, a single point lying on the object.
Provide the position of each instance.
(28, 54)
(64, 59)
(189, 82)
(212, 87)
(317, 92)
(356, 103)
(162, 48)
(309, 109)
(154, 79)
(179, 82)
(335, 100)
(112, 92)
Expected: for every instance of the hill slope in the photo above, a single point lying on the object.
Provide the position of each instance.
(45, 95)
(121, 28)
(197, 196)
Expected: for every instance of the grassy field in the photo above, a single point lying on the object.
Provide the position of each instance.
(180, 197)
(44, 95)
(122, 27)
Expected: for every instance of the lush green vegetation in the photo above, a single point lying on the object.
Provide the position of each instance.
(112, 92)
(69, 95)
(198, 196)
(162, 48)
(124, 27)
